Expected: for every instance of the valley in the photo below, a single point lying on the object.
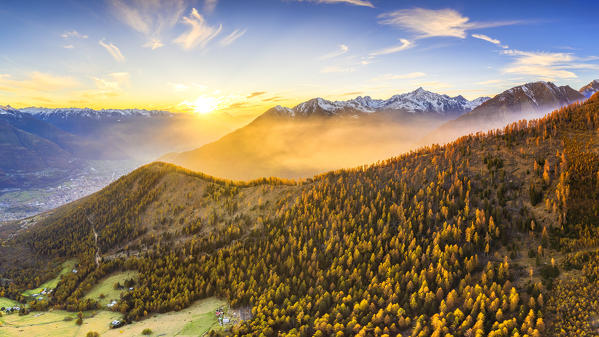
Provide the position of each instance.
(19, 203)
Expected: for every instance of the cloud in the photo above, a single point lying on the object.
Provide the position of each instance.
(364, 3)
(489, 82)
(388, 77)
(150, 18)
(37, 82)
(545, 65)
(486, 38)
(113, 50)
(257, 93)
(337, 69)
(405, 44)
(271, 99)
(489, 39)
(430, 22)
(73, 34)
(110, 85)
(199, 34)
(210, 5)
(227, 40)
(69, 46)
(153, 44)
(342, 49)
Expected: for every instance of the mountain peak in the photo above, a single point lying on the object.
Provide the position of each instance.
(589, 89)
(414, 102)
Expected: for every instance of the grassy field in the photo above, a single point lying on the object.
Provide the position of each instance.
(7, 302)
(106, 287)
(67, 266)
(53, 324)
(193, 321)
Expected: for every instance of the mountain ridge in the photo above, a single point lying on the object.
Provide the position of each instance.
(526, 101)
(419, 101)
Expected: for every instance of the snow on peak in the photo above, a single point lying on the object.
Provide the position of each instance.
(8, 110)
(417, 101)
(589, 89)
(64, 113)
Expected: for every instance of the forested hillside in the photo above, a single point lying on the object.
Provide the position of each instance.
(492, 235)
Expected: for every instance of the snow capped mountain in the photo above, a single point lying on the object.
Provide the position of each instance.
(65, 113)
(8, 110)
(589, 89)
(535, 96)
(418, 101)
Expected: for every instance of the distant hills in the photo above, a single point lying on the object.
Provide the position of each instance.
(42, 146)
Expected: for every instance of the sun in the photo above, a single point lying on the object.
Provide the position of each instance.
(203, 104)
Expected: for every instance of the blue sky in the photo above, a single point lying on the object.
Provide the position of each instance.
(244, 56)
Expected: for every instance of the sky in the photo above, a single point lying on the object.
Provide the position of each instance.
(242, 57)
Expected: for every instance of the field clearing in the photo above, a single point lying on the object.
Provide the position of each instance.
(196, 320)
(106, 287)
(52, 324)
(67, 266)
(7, 302)
(193, 321)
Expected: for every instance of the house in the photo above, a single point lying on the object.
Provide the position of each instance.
(116, 323)
(226, 320)
(74, 271)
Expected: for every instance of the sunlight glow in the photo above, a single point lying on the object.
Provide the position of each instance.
(203, 104)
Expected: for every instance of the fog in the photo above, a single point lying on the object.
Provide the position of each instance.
(301, 149)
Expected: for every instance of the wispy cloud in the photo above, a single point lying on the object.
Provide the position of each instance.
(227, 40)
(547, 65)
(110, 85)
(36, 82)
(114, 51)
(73, 34)
(210, 5)
(405, 44)
(255, 94)
(364, 3)
(68, 46)
(337, 69)
(489, 82)
(342, 49)
(199, 34)
(489, 39)
(429, 22)
(389, 77)
(151, 18)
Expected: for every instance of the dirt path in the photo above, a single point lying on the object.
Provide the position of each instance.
(98, 258)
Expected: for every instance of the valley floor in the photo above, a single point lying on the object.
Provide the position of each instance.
(21, 203)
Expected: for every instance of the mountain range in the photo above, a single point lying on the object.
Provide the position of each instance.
(417, 102)
(314, 136)
(319, 135)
